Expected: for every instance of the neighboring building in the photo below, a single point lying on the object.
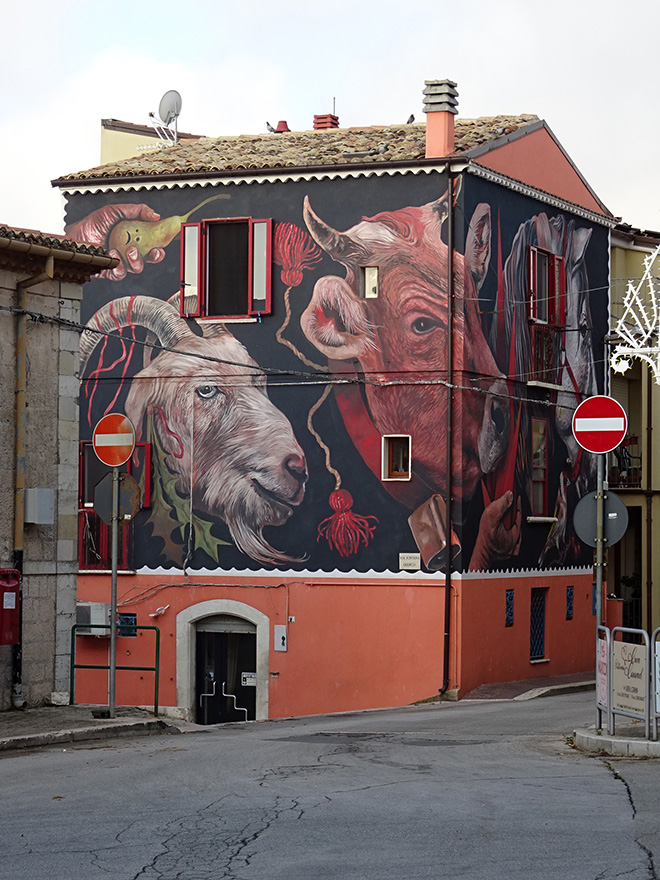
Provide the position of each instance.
(634, 468)
(41, 279)
(350, 316)
(121, 140)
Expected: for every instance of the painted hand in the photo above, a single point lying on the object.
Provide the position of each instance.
(96, 228)
(495, 540)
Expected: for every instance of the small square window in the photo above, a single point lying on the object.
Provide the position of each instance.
(226, 268)
(369, 282)
(126, 625)
(396, 461)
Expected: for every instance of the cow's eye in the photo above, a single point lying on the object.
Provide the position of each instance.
(420, 326)
(207, 392)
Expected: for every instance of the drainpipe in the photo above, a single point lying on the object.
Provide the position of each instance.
(649, 504)
(17, 699)
(450, 419)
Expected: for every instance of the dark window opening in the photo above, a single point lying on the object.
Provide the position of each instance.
(537, 624)
(508, 614)
(226, 268)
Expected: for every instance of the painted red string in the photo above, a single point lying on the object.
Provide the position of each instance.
(158, 411)
(294, 250)
(344, 530)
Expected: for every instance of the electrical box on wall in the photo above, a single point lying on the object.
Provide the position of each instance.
(40, 506)
(9, 606)
(279, 638)
(91, 614)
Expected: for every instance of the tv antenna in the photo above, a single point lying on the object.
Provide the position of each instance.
(168, 113)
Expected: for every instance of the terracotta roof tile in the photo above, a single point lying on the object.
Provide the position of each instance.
(339, 146)
(49, 240)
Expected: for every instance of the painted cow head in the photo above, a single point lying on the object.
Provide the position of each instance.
(400, 336)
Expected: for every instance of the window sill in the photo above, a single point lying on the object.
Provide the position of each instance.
(231, 319)
(396, 479)
(106, 571)
(537, 383)
(540, 660)
(541, 519)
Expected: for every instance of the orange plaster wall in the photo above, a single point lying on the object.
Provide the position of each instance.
(352, 646)
(487, 651)
(537, 160)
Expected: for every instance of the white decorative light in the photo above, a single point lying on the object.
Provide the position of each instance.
(639, 324)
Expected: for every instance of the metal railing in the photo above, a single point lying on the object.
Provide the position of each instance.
(132, 627)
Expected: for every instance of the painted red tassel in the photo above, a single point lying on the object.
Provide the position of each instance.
(345, 530)
(294, 251)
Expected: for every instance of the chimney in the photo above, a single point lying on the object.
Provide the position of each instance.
(328, 120)
(440, 106)
(282, 126)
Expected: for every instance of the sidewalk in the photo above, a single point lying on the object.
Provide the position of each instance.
(48, 725)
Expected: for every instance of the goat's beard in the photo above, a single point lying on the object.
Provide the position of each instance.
(246, 514)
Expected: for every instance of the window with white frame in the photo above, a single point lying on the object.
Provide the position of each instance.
(396, 457)
(226, 268)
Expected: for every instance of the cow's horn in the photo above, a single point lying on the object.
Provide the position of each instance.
(158, 317)
(339, 245)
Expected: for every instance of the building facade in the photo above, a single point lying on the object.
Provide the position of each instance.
(351, 358)
(41, 280)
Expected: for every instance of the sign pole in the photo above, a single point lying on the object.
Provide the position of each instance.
(600, 540)
(113, 589)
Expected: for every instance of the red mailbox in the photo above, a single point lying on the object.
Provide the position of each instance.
(9, 606)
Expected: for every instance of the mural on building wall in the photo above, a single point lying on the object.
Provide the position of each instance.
(266, 436)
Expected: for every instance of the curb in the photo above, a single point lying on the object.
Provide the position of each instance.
(555, 690)
(626, 747)
(148, 727)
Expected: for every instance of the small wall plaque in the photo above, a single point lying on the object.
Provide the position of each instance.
(410, 561)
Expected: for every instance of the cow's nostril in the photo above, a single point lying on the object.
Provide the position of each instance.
(498, 417)
(297, 468)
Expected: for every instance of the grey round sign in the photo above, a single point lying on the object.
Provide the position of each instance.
(615, 518)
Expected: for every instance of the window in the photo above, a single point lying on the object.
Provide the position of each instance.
(537, 624)
(508, 612)
(569, 603)
(369, 282)
(226, 268)
(396, 457)
(94, 536)
(547, 311)
(539, 467)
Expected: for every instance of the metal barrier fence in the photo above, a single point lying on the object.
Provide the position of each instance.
(132, 627)
(626, 674)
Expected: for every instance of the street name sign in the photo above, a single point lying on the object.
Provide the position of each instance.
(114, 439)
(600, 424)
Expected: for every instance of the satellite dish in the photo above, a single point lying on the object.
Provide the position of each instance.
(170, 106)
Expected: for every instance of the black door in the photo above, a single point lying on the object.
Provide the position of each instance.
(221, 660)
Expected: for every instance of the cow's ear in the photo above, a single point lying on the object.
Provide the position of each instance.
(477, 246)
(335, 321)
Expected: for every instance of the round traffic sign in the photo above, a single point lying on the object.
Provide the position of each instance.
(600, 424)
(114, 439)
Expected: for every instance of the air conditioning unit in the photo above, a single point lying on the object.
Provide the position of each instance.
(91, 615)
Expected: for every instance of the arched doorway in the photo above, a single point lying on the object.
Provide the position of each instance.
(207, 624)
(225, 669)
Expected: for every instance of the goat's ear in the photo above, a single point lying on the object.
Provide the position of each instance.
(147, 396)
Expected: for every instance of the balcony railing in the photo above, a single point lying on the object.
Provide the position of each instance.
(625, 465)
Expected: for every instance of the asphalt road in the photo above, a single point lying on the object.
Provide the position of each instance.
(476, 790)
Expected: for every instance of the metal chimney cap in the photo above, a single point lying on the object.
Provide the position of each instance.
(440, 96)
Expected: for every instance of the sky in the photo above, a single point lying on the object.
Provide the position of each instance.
(588, 67)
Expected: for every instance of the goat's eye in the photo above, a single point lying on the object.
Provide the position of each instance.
(207, 392)
(423, 325)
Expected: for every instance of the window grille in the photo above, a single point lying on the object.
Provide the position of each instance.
(537, 625)
(508, 616)
(569, 603)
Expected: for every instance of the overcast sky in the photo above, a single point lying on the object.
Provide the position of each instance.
(588, 67)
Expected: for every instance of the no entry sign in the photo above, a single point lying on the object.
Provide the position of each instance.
(600, 424)
(114, 439)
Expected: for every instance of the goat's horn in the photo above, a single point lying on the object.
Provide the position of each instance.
(156, 316)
